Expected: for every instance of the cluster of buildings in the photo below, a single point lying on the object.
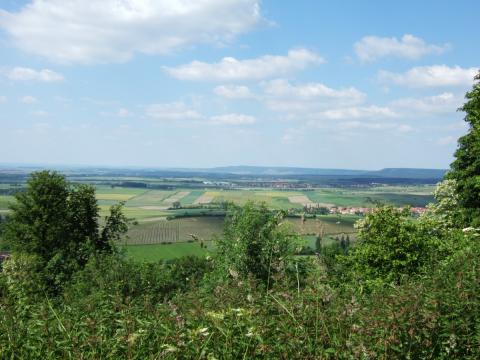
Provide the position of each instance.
(357, 210)
(350, 210)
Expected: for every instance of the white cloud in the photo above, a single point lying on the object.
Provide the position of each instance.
(281, 95)
(172, 111)
(232, 119)
(233, 92)
(431, 76)
(292, 136)
(29, 100)
(122, 112)
(75, 31)
(447, 140)
(231, 69)
(27, 74)
(355, 125)
(371, 48)
(179, 111)
(3, 99)
(446, 102)
(40, 113)
(363, 112)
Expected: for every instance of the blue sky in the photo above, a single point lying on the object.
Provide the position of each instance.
(175, 83)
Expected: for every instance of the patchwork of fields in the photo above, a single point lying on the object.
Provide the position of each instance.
(152, 236)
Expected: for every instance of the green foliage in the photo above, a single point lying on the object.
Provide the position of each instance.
(115, 276)
(466, 167)
(115, 308)
(257, 243)
(390, 247)
(23, 278)
(58, 223)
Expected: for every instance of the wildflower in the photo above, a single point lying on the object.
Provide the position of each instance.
(216, 315)
(169, 348)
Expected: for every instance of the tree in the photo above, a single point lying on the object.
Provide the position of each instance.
(465, 169)
(390, 246)
(58, 223)
(257, 243)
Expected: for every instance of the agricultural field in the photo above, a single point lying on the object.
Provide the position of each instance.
(143, 204)
(162, 240)
(327, 224)
(207, 228)
(161, 252)
(176, 230)
(159, 232)
(417, 196)
(273, 198)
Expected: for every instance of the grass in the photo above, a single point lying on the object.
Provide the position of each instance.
(5, 200)
(163, 252)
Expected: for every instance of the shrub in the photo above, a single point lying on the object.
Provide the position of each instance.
(390, 247)
(257, 243)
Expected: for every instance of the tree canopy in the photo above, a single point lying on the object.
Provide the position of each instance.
(58, 222)
(466, 167)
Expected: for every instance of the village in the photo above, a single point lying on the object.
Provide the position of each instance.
(324, 210)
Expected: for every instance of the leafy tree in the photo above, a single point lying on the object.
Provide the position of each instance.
(58, 223)
(466, 167)
(257, 243)
(390, 246)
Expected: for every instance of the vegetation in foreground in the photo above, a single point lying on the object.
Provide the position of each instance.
(409, 289)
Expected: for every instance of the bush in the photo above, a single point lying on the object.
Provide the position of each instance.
(257, 243)
(390, 247)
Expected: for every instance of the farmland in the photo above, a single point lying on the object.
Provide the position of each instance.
(166, 214)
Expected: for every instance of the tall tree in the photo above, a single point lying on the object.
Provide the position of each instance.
(466, 167)
(58, 222)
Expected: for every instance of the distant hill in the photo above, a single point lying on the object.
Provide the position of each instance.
(279, 170)
(329, 177)
(410, 173)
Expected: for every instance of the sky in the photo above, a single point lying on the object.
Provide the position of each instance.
(204, 83)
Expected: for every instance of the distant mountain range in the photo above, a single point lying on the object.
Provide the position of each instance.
(278, 171)
(251, 172)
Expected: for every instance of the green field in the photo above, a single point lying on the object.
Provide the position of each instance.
(150, 210)
(205, 228)
(381, 195)
(163, 252)
(209, 227)
(190, 198)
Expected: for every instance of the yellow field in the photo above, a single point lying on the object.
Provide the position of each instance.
(115, 197)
